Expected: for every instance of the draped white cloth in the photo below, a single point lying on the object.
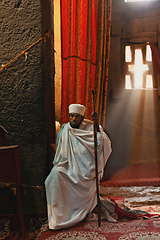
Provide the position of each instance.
(71, 184)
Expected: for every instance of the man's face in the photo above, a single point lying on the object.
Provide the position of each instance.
(75, 120)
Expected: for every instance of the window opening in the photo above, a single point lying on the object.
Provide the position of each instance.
(128, 55)
(128, 82)
(148, 53)
(138, 75)
(149, 82)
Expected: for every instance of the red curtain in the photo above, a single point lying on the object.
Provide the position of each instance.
(85, 33)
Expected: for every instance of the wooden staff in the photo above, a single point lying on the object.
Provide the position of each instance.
(96, 163)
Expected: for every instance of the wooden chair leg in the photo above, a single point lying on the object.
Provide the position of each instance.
(21, 212)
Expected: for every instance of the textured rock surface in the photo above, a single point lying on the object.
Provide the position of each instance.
(21, 91)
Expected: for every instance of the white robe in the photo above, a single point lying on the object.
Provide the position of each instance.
(71, 185)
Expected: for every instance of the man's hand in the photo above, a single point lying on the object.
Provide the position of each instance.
(95, 119)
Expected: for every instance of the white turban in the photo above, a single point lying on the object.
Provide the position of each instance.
(77, 108)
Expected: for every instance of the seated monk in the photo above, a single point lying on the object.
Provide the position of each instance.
(71, 184)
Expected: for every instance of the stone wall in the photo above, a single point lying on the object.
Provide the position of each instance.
(132, 22)
(22, 93)
(132, 119)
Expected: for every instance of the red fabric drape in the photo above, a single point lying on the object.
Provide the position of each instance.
(85, 31)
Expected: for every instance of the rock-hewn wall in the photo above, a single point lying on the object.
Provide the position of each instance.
(21, 92)
(132, 115)
(131, 22)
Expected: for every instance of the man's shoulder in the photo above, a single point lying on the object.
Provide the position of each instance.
(63, 127)
(61, 132)
(87, 121)
(86, 125)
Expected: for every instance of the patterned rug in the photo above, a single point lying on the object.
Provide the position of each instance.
(10, 227)
(126, 230)
(152, 209)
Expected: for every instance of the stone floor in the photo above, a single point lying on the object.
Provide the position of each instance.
(134, 196)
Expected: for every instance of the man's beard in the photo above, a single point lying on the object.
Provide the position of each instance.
(74, 125)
